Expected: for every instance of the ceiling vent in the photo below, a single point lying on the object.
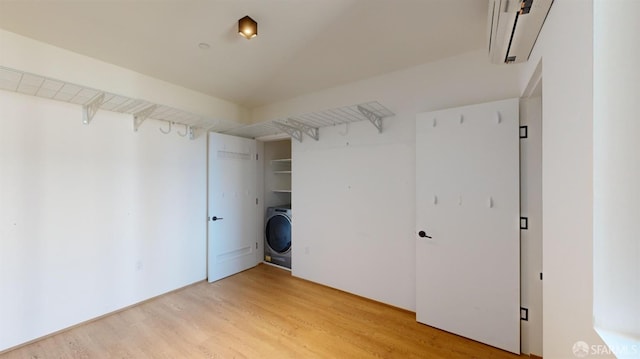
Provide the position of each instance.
(514, 26)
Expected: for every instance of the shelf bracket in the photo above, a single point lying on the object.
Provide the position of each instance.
(140, 116)
(188, 131)
(90, 109)
(290, 130)
(308, 130)
(375, 119)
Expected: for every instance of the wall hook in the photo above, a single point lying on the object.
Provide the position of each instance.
(186, 130)
(167, 131)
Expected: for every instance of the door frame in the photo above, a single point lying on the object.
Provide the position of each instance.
(531, 240)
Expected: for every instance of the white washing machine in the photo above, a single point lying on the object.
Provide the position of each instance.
(277, 236)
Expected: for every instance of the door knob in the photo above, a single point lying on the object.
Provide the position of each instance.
(423, 234)
(214, 218)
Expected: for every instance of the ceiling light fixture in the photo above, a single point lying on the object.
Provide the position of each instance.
(247, 28)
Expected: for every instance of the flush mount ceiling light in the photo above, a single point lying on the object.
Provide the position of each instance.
(247, 27)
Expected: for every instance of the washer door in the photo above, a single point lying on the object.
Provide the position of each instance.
(278, 233)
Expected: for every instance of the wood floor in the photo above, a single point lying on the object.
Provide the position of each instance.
(261, 313)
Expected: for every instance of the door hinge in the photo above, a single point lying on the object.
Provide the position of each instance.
(524, 131)
(256, 201)
(524, 223)
(524, 314)
(256, 245)
(256, 156)
(540, 275)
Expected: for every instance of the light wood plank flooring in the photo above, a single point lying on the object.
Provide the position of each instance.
(260, 313)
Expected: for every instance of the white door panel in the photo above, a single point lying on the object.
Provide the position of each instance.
(467, 200)
(232, 205)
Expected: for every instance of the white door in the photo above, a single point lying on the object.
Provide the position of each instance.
(467, 201)
(232, 205)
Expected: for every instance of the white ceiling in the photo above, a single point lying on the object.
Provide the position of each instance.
(302, 46)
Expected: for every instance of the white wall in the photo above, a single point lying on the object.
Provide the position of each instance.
(92, 218)
(353, 204)
(616, 169)
(454, 81)
(354, 190)
(565, 47)
(25, 54)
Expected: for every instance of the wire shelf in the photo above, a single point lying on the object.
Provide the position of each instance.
(41, 86)
(320, 119)
(256, 130)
